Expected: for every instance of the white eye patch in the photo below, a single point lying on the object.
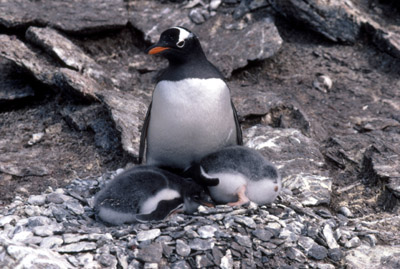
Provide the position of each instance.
(183, 34)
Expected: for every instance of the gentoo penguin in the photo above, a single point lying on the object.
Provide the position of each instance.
(244, 175)
(145, 193)
(191, 114)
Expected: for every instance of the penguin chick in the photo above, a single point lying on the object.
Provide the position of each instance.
(191, 113)
(244, 175)
(146, 193)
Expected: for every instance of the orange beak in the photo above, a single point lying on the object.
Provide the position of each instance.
(157, 50)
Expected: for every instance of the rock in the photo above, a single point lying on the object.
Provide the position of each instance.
(380, 166)
(93, 16)
(262, 234)
(51, 242)
(336, 20)
(322, 83)
(335, 254)
(346, 211)
(385, 39)
(259, 40)
(328, 236)
(201, 244)
(202, 261)
(56, 198)
(77, 247)
(182, 248)
(207, 231)
(37, 199)
(313, 187)
(353, 243)
(295, 254)
(29, 257)
(75, 207)
(318, 252)
(246, 221)
(196, 16)
(63, 49)
(13, 88)
(378, 257)
(148, 235)
(24, 57)
(243, 240)
(227, 261)
(151, 253)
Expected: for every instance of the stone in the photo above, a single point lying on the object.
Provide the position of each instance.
(249, 222)
(346, 211)
(151, 253)
(75, 207)
(62, 48)
(37, 199)
(335, 254)
(202, 261)
(227, 260)
(243, 240)
(318, 252)
(51, 242)
(353, 243)
(30, 257)
(8, 219)
(262, 234)
(182, 248)
(336, 20)
(207, 231)
(201, 244)
(377, 257)
(93, 16)
(56, 198)
(148, 235)
(295, 254)
(328, 236)
(77, 247)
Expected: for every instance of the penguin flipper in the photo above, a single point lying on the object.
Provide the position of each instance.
(164, 208)
(143, 134)
(239, 137)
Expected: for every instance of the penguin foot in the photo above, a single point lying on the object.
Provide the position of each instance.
(242, 198)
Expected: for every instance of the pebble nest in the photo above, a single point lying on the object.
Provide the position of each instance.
(57, 229)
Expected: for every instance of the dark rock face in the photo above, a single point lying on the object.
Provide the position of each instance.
(325, 113)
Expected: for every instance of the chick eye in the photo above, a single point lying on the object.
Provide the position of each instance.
(180, 44)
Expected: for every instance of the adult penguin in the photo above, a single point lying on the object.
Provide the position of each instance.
(191, 114)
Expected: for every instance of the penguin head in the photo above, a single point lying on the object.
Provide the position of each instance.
(194, 195)
(177, 44)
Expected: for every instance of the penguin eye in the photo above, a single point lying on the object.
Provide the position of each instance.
(180, 44)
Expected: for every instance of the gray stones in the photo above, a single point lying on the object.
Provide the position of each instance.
(335, 20)
(206, 231)
(77, 247)
(201, 244)
(318, 252)
(93, 16)
(262, 234)
(148, 235)
(151, 253)
(182, 248)
(37, 199)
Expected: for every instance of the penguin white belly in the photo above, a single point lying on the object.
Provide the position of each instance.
(115, 217)
(190, 118)
(226, 190)
(151, 203)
